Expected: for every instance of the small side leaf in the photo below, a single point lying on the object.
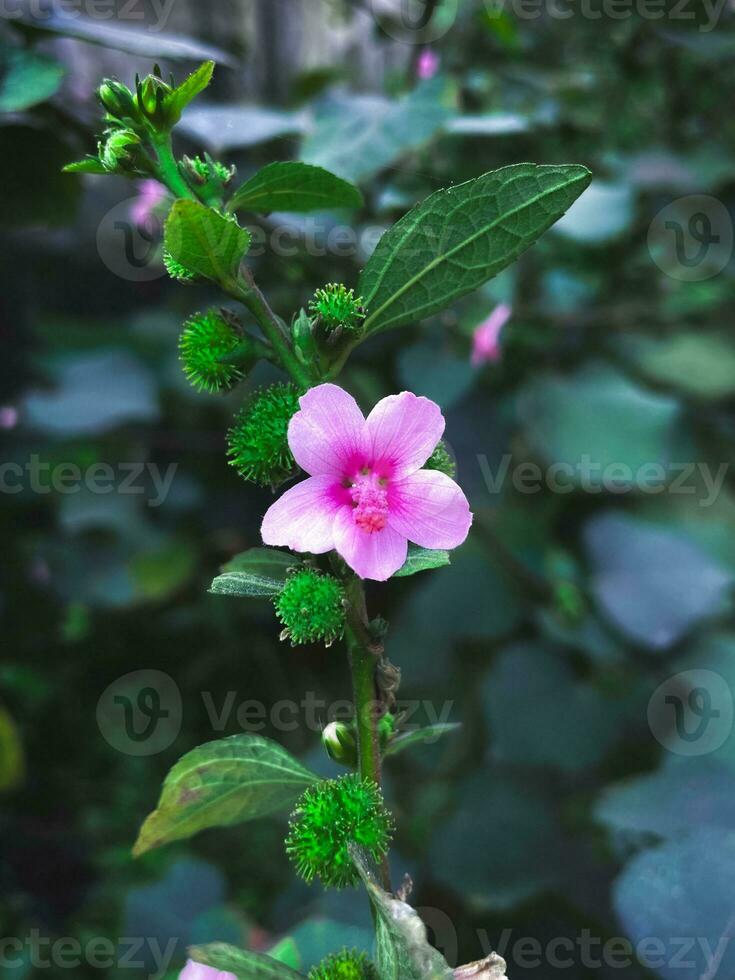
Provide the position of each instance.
(89, 166)
(421, 560)
(403, 949)
(258, 573)
(204, 241)
(461, 236)
(185, 93)
(243, 964)
(421, 736)
(294, 186)
(222, 783)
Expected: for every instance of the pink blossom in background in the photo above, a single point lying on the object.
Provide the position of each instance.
(197, 971)
(428, 64)
(150, 196)
(366, 495)
(8, 417)
(486, 338)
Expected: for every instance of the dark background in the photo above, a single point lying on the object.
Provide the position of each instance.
(574, 806)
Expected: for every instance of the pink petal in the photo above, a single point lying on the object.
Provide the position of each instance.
(302, 518)
(376, 556)
(486, 338)
(429, 509)
(403, 431)
(198, 971)
(326, 435)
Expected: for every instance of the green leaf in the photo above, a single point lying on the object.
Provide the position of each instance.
(460, 237)
(89, 166)
(421, 736)
(294, 186)
(204, 241)
(403, 949)
(27, 79)
(243, 964)
(185, 93)
(222, 783)
(259, 572)
(421, 560)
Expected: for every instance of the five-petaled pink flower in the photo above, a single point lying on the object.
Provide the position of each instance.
(198, 971)
(366, 496)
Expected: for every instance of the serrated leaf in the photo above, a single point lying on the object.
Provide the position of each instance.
(242, 963)
(403, 949)
(421, 736)
(294, 186)
(195, 84)
(204, 241)
(460, 237)
(222, 783)
(89, 166)
(421, 560)
(259, 572)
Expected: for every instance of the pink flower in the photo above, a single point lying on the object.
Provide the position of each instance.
(367, 496)
(150, 196)
(428, 64)
(486, 338)
(198, 971)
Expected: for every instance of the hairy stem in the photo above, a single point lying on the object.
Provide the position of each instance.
(250, 296)
(363, 657)
(167, 170)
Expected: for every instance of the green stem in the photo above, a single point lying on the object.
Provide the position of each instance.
(167, 169)
(363, 656)
(251, 297)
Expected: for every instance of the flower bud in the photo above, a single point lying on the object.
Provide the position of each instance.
(442, 460)
(311, 608)
(120, 152)
(339, 741)
(214, 351)
(117, 99)
(349, 964)
(150, 99)
(336, 308)
(258, 440)
(303, 338)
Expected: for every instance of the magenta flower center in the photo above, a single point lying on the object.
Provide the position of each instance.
(369, 501)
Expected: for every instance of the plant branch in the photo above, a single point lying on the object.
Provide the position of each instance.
(250, 296)
(363, 657)
(167, 169)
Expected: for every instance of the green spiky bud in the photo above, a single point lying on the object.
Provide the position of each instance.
(349, 964)
(337, 307)
(340, 743)
(214, 352)
(176, 270)
(330, 816)
(201, 171)
(258, 440)
(311, 608)
(442, 460)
